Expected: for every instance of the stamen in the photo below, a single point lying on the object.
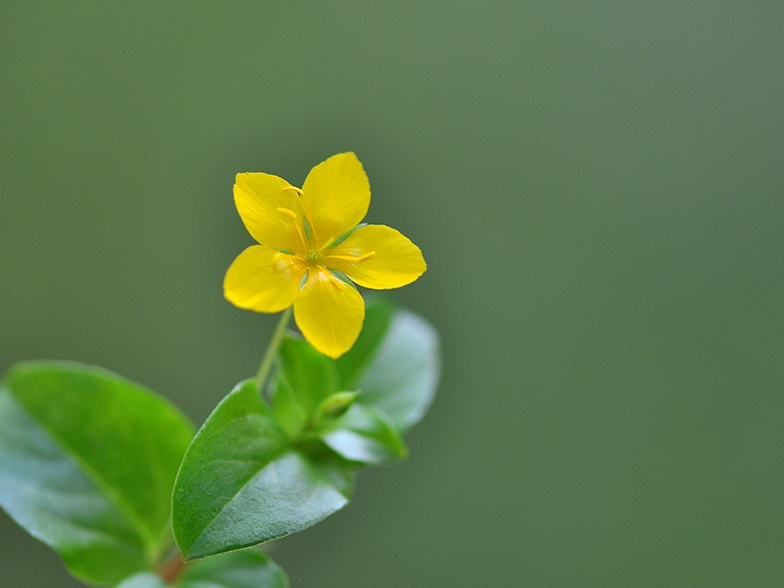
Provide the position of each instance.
(293, 216)
(366, 256)
(353, 258)
(289, 213)
(308, 225)
(311, 230)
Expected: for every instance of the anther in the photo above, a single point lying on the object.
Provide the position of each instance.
(366, 256)
(353, 258)
(293, 189)
(289, 213)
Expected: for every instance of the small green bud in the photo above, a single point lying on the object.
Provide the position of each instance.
(335, 405)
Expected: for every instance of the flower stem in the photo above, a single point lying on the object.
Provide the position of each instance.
(272, 350)
(170, 570)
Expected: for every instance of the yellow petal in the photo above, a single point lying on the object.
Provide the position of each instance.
(263, 201)
(329, 313)
(378, 257)
(336, 194)
(263, 279)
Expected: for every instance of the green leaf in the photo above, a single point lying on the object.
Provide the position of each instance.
(240, 569)
(48, 494)
(395, 363)
(343, 478)
(366, 436)
(304, 379)
(379, 311)
(241, 483)
(87, 463)
(143, 580)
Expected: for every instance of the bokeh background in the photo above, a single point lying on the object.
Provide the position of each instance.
(598, 188)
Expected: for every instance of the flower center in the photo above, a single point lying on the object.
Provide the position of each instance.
(313, 258)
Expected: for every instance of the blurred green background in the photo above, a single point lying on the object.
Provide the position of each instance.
(598, 189)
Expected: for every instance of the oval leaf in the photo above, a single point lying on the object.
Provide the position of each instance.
(143, 580)
(87, 462)
(364, 435)
(241, 569)
(395, 363)
(241, 484)
(379, 311)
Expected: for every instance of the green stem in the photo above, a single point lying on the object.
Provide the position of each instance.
(272, 350)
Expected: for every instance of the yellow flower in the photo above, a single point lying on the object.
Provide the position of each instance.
(310, 241)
